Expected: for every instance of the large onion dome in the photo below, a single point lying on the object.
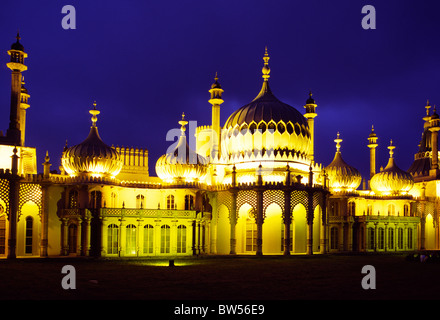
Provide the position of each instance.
(265, 124)
(392, 180)
(342, 177)
(182, 164)
(92, 157)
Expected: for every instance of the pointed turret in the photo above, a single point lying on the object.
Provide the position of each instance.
(310, 115)
(372, 144)
(17, 66)
(216, 100)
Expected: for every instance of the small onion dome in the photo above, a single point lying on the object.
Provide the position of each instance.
(182, 164)
(216, 85)
(17, 45)
(341, 176)
(392, 180)
(310, 100)
(92, 157)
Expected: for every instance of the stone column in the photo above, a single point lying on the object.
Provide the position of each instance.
(287, 223)
(79, 237)
(87, 232)
(44, 220)
(233, 221)
(310, 223)
(259, 221)
(64, 236)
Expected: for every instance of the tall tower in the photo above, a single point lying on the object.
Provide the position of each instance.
(216, 100)
(372, 144)
(310, 114)
(15, 132)
(434, 128)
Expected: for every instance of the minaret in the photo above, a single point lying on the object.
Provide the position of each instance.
(372, 144)
(310, 114)
(434, 128)
(24, 104)
(17, 66)
(216, 100)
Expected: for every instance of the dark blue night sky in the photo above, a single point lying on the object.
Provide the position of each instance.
(146, 62)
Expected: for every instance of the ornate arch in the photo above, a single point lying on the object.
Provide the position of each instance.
(273, 196)
(30, 192)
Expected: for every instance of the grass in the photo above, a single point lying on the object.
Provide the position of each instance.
(328, 277)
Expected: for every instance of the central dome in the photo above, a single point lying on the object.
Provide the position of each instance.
(266, 125)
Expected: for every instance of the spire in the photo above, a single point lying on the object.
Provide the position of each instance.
(266, 71)
(94, 114)
(391, 148)
(183, 123)
(338, 143)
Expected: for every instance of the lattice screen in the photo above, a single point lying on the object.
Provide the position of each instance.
(4, 193)
(30, 192)
(273, 196)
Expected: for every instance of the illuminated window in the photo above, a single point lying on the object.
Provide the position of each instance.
(410, 238)
(400, 238)
(406, 210)
(113, 200)
(371, 236)
(165, 239)
(381, 238)
(181, 239)
(391, 209)
(189, 202)
(251, 233)
(170, 202)
(369, 210)
(140, 201)
(334, 238)
(334, 209)
(28, 235)
(391, 238)
(148, 238)
(351, 208)
(112, 239)
(96, 199)
(72, 238)
(130, 237)
(73, 199)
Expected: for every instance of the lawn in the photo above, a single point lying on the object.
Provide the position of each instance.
(329, 277)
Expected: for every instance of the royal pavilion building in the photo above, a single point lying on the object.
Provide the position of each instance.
(249, 186)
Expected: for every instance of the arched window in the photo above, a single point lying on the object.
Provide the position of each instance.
(112, 239)
(251, 232)
(2, 231)
(410, 238)
(113, 200)
(96, 199)
(72, 238)
(73, 199)
(381, 238)
(181, 239)
(189, 202)
(140, 201)
(400, 238)
(148, 239)
(334, 208)
(28, 235)
(334, 238)
(371, 238)
(391, 238)
(130, 238)
(170, 202)
(165, 239)
(391, 210)
(405, 210)
(351, 208)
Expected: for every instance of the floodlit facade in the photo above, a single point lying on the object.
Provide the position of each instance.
(249, 186)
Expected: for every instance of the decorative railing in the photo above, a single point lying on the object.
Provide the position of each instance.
(156, 213)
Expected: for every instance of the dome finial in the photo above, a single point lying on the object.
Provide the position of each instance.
(94, 114)
(183, 123)
(391, 148)
(266, 69)
(338, 142)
